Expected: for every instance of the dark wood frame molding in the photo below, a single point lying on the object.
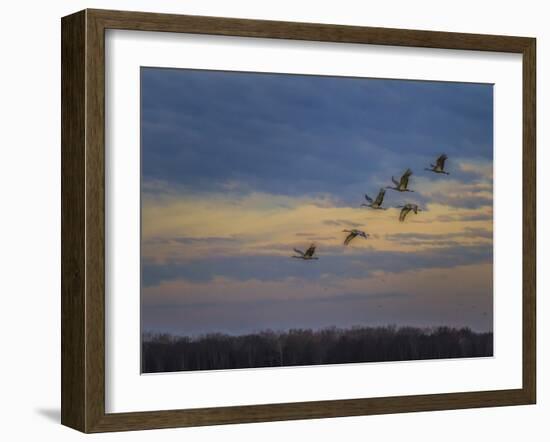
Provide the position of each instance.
(83, 217)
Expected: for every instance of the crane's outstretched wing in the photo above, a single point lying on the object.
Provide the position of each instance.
(368, 198)
(441, 162)
(404, 212)
(405, 178)
(309, 252)
(349, 238)
(299, 252)
(380, 197)
(395, 181)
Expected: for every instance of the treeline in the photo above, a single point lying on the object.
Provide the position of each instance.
(165, 353)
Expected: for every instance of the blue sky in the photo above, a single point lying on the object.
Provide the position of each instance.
(239, 168)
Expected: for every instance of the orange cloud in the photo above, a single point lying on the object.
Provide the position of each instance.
(177, 228)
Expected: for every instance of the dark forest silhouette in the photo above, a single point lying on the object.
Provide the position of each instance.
(166, 353)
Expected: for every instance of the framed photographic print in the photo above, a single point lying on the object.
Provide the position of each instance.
(270, 220)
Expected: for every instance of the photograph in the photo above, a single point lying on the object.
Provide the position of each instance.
(300, 220)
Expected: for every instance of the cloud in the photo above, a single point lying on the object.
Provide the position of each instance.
(459, 296)
(181, 228)
(355, 263)
(410, 282)
(462, 201)
(479, 233)
(314, 237)
(441, 239)
(452, 192)
(482, 169)
(189, 240)
(484, 216)
(340, 223)
(287, 134)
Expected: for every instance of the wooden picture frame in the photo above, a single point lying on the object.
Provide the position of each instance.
(83, 220)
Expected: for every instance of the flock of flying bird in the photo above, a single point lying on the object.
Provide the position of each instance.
(400, 186)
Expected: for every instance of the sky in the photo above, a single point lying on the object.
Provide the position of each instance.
(240, 168)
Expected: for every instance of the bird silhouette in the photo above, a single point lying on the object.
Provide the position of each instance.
(439, 165)
(354, 233)
(377, 203)
(402, 185)
(406, 209)
(307, 255)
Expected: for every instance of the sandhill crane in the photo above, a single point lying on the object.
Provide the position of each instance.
(377, 203)
(401, 186)
(439, 165)
(352, 234)
(406, 209)
(307, 255)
